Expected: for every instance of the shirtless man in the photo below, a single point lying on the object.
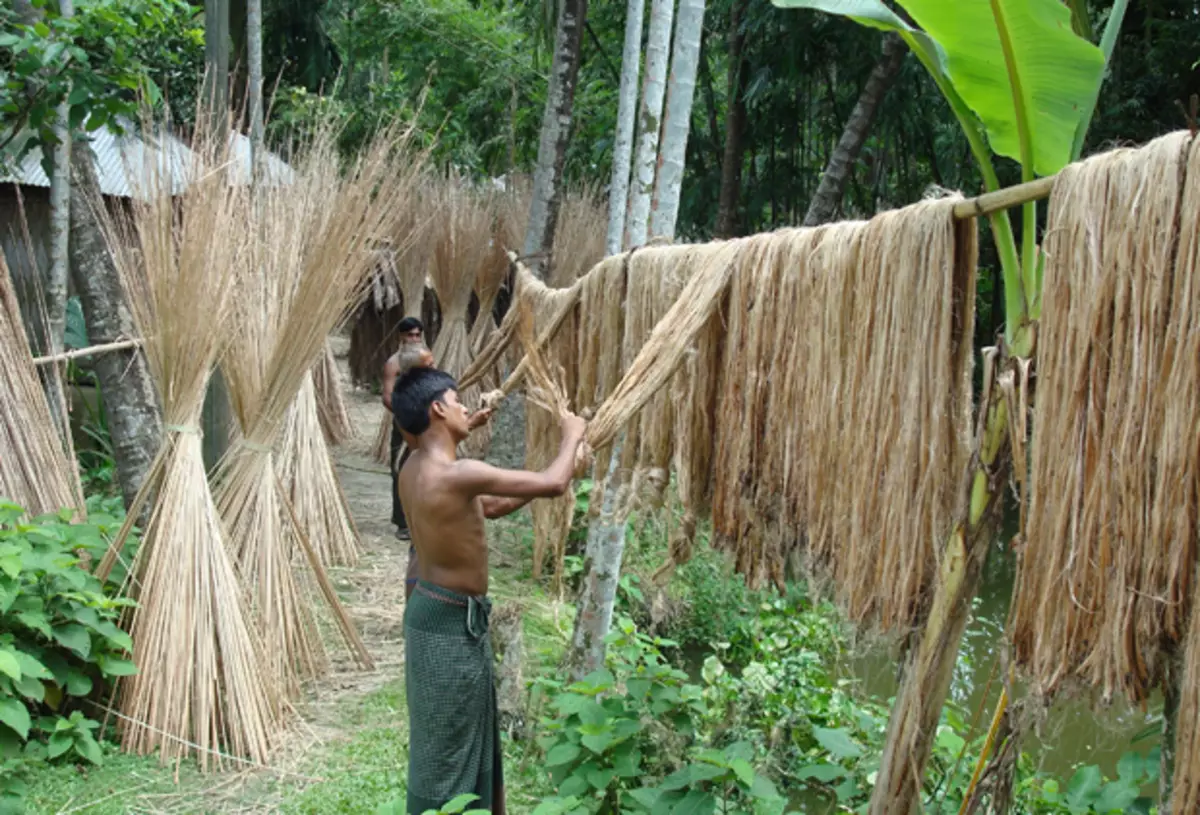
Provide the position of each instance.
(454, 732)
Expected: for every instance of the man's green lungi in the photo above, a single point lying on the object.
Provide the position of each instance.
(449, 671)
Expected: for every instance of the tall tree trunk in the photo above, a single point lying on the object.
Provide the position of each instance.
(735, 124)
(556, 134)
(631, 64)
(828, 196)
(654, 89)
(217, 417)
(129, 398)
(255, 68)
(216, 57)
(54, 326)
(681, 91)
(602, 571)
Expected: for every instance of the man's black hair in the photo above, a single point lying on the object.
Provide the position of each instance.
(408, 324)
(415, 393)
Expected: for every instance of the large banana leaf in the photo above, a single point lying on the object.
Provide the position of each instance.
(986, 47)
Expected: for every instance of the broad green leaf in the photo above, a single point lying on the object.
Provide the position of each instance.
(459, 803)
(600, 779)
(1056, 71)
(743, 770)
(1116, 796)
(1084, 788)
(875, 14)
(696, 802)
(78, 683)
(9, 666)
(593, 713)
(575, 785)
(646, 797)
(562, 754)
(597, 742)
(59, 744)
(568, 703)
(74, 638)
(705, 772)
(30, 688)
(1129, 766)
(821, 772)
(115, 667)
(15, 715)
(837, 741)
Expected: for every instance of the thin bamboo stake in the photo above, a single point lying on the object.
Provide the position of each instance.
(91, 351)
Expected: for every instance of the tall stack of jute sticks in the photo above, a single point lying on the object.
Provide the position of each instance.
(756, 368)
(36, 471)
(256, 276)
(1108, 571)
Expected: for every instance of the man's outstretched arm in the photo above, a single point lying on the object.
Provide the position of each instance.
(475, 478)
(495, 507)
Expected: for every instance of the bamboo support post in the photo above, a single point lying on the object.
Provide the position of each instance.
(104, 348)
(992, 202)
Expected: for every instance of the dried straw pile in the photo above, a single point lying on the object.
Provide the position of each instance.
(304, 267)
(202, 684)
(578, 238)
(36, 473)
(335, 418)
(1109, 562)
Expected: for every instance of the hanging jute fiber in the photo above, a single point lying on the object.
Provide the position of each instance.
(1183, 349)
(809, 341)
(1108, 564)
(36, 472)
(203, 686)
(543, 434)
(335, 418)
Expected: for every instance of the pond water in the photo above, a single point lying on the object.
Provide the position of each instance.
(1071, 733)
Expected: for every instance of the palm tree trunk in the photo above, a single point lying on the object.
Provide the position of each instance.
(735, 123)
(130, 401)
(556, 134)
(618, 190)
(654, 88)
(681, 92)
(828, 196)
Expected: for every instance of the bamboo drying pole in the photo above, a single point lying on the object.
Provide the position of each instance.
(104, 348)
(991, 202)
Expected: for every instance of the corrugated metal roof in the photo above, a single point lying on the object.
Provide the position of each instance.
(128, 163)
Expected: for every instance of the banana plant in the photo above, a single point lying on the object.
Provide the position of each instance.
(1022, 84)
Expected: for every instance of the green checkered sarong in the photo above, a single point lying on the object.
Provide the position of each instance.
(454, 732)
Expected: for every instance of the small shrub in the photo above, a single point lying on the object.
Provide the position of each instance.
(59, 639)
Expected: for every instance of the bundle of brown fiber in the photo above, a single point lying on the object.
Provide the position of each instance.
(36, 473)
(335, 418)
(1109, 562)
(203, 686)
(545, 306)
(891, 334)
(1184, 350)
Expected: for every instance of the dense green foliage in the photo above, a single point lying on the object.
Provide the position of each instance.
(60, 641)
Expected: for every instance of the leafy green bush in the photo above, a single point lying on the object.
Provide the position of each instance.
(636, 736)
(59, 638)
